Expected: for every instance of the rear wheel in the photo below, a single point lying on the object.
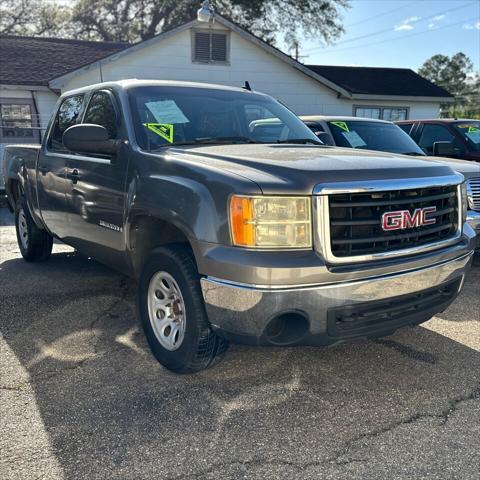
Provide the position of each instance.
(35, 244)
(172, 312)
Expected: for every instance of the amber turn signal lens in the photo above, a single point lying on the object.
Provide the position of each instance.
(241, 220)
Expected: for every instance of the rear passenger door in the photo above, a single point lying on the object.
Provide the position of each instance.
(51, 169)
(96, 188)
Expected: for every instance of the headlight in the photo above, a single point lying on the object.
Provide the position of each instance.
(463, 190)
(271, 222)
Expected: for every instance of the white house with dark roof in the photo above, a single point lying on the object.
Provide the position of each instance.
(35, 70)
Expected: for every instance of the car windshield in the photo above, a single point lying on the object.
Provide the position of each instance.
(470, 131)
(166, 116)
(367, 135)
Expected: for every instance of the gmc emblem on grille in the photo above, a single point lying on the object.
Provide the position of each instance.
(402, 219)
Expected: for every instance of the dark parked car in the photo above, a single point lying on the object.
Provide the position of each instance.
(446, 137)
(237, 223)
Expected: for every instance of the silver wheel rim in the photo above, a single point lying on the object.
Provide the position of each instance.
(166, 310)
(22, 228)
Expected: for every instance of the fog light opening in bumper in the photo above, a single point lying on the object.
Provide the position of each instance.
(286, 329)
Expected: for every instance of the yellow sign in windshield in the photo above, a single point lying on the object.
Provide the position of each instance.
(164, 130)
(342, 125)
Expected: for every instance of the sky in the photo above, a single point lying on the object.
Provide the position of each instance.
(391, 33)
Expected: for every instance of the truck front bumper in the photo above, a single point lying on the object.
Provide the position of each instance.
(473, 219)
(332, 313)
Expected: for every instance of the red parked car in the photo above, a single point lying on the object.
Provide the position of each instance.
(446, 137)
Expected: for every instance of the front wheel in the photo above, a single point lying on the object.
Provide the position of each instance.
(172, 312)
(35, 244)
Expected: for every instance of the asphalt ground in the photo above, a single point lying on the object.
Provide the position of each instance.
(81, 397)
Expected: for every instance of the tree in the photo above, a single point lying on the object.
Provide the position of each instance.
(135, 20)
(454, 74)
(447, 72)
(32, 17)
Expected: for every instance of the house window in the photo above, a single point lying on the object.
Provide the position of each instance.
(368, 112)
(391, 114)
(16, 121)
(210, 47)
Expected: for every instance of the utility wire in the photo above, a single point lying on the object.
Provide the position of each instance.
(335, 50)
(379, 32)
(379, 15)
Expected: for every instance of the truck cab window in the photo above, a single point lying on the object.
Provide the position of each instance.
(101, 111)
(66, 117)
(406, 127)
(432, 133)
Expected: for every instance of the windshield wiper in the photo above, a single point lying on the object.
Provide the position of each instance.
(302, 141)
(226, 140)
(208, 141)
(414, 154)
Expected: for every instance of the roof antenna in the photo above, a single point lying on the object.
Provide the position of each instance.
(247, 86)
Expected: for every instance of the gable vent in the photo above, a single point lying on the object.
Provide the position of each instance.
(210, 47)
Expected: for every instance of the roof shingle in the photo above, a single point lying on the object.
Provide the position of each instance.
(36, 60)
(380, 81)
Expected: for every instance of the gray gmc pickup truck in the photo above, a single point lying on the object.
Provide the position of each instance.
(238, 228)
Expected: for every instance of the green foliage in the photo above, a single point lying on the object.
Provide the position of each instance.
(32, 17)
(447, 72)
(135, 20)
(454, 75)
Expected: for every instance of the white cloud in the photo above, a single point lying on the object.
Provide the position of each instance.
(438, 18)
(431, 26)
(470, 26)
(406, 24)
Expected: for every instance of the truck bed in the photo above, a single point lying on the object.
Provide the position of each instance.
(18, 159)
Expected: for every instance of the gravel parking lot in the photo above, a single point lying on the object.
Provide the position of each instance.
(81, 397)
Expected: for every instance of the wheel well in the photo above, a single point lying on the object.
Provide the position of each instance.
(15, 190)
(147, 234)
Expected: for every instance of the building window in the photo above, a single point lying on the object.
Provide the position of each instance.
(210, 47)
(391, 114)
(16, 120)
(368, 112)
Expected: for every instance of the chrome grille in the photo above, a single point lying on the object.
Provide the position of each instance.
(349, 218)
(473, 190)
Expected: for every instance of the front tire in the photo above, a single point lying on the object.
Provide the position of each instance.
(35, 244)
(171, 309)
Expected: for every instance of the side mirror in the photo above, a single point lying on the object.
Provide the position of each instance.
(326, 138)
(443, 149)
(89, 138)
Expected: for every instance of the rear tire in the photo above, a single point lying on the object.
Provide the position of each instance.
(172, 311)
(35, 244)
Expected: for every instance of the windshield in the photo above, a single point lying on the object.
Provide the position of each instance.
(165, 116)
(470, 131)
(366, 135)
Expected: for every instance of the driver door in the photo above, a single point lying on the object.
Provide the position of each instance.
(51, 169)
(96, 189)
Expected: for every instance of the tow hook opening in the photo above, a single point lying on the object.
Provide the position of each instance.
(286, 329)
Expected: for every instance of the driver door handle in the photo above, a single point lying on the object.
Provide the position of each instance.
(74, 176)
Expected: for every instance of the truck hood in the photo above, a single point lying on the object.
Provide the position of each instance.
(467, 168)
(287, 168)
